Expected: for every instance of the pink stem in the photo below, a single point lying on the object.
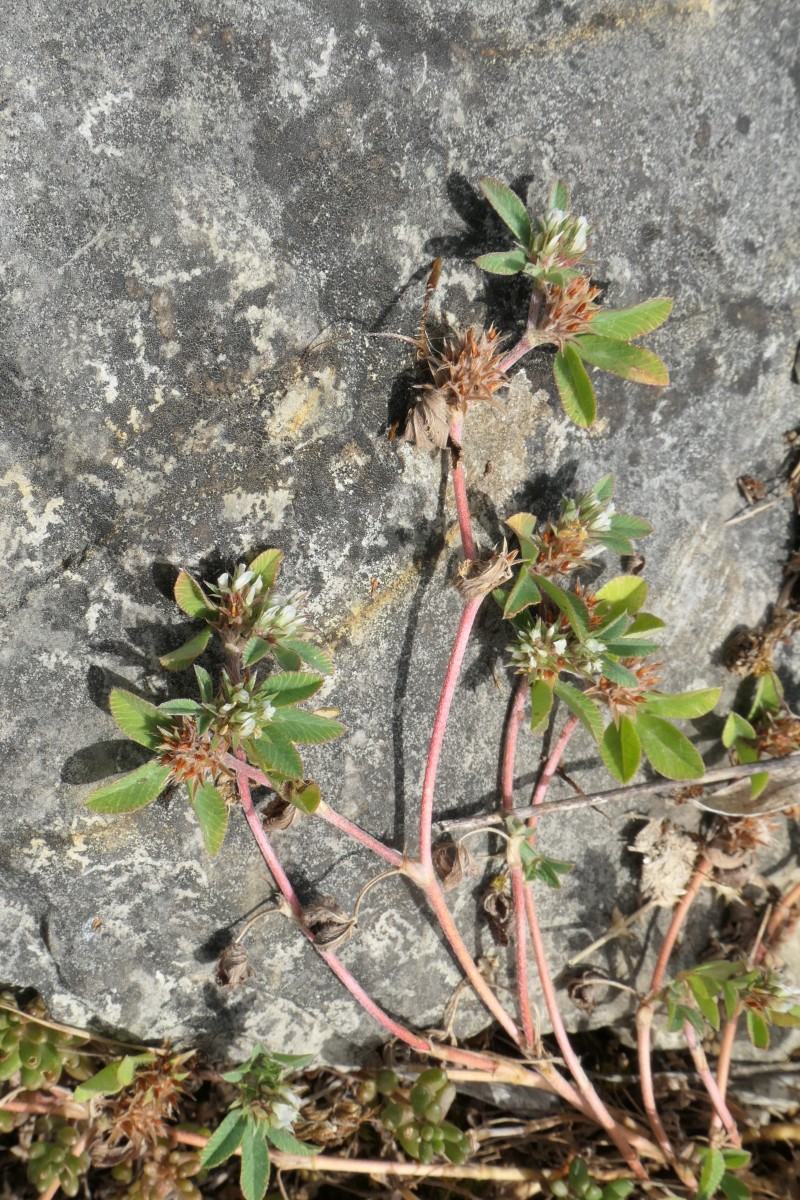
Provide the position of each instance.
(519, 351)
(460, 489)
(325, 811)
(710, 1083)
(517, 881)
(354, 831)
(552, 764)
(585, 1087)
(440, 724)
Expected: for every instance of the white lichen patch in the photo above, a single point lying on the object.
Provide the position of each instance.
(266, 509)
(37, 518)
(106, 378)
(94, 114)
(311, 402)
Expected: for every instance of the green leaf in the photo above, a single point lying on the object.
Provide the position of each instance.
(508, 207)
(733, 1188)
(686, 705)
(735, 1159)
(204, 683)
(574, 387)
(624, 593)
(212, 813)
(541, 702)
(669, 752)
(768, 695)
(617, 543)
(711, 1174)
(305, 796)
(134, 790)
(180, 708)
(523, 524)
(254, 1174)
(190, 597)
(522, 595)
(626, 647)
(618, 1189)
(225, 1140)
(632, 527)
(631, 362)
(305, 727)
(312, 656)
(184, 656)
(757, 1029)
(571, 605)
(709, 1008)
(509, 262)
(274, 752)
(290, 687)
(623, 324)
(137, 718)
(559, 196)
(736, 727)
(266, 565)
(285, 1141)
(287, 660)
(113, 1078)
(617, 673)
(255, 649)
(582, 707)
(645, 622)
(621, 750)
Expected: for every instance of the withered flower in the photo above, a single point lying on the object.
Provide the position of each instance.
(233, 968)
(623, 700)
(478, 577)
(569, 311)
(329, 925)
(497, 906)
(464, 371)
(280, 813)
(451, 862)
(189, 754)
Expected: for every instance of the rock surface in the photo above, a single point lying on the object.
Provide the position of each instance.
(199, 199)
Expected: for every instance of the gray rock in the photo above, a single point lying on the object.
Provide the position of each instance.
(203, 205)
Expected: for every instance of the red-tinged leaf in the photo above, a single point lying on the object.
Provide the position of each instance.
(266, 566)
(509, 262)
(574, 387)
(621, 750)
(137, 718)
(184, 656)
(508, 207)
(135, 790)
(522, 595)
(620, 358)
(624, 324)
(190, 597)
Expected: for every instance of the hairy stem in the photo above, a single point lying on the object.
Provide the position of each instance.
(460, 489)
(552, 764)
(710, 1083)
(517, 882)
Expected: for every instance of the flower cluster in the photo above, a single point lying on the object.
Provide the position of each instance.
(242, 709)
(544, 650)
(558, 237)
(465, 370)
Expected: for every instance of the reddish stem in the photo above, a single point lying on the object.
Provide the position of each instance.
(439, 726)
(552, 764)
(519, 351)
(354, 831)
(585, 1087)
(676, 924)
(460, 489)
(710, 1083)
(517, 882)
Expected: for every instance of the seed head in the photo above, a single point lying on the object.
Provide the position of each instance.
(464, 371)
(570, 310)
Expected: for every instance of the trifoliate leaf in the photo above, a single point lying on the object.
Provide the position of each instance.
(190, 597)
(134, 790)
(312, 656)
(621, 358)
(668, 751)
(137, 718)
(624, 324)
(508, 207)
(574, 387)
(212, 813)
(184, 656)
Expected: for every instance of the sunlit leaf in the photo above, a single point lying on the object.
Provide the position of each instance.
(621, 358)
(559, 196)
(574, 387)
(509, 262)
(571, 605)
(137, 718)
(312, 656)
(135, 790)
(736, 727)
(581, 706)
(212, 813)
(254, 1171)
(626, 323)
(190, 597)
(305, 727)
(112, 1078)
(523, 593)
(508, 207)
(757, 1029)
(291, 687)
(621, 750)
(274, 752)
(266, 566)
(686, 705)
(711, 1174)
(626, 593)
(541, 702)
(669, 752)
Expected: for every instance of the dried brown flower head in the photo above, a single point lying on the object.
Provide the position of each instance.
(497, 906)
(569, 311)
(233, 968)
(668, 857)
(189, 754)
(465, 370)
(478, 577)
(329, 924)
(279, 814)
(624, 700)
(138, 1116)
(452, 861)
(778, 735)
